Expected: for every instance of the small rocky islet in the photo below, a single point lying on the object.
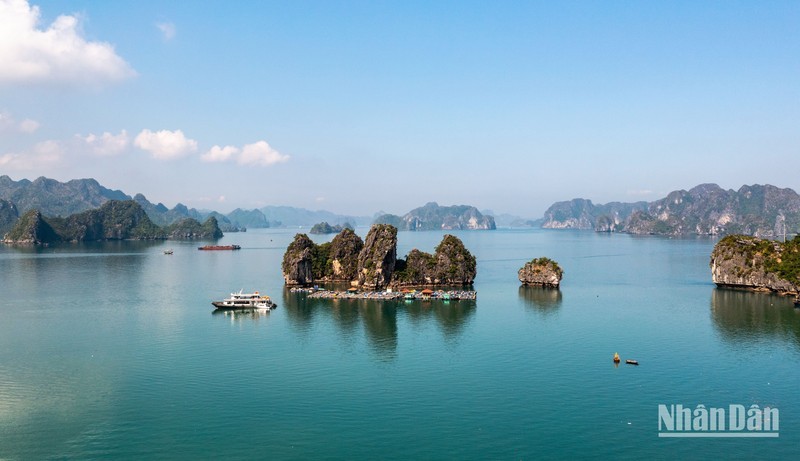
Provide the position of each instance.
(541, 272)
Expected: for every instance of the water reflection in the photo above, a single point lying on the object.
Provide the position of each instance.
(380, 323)
(451, 316)
(237, 315)
(745, 316)
(543, 300)
(379, 319)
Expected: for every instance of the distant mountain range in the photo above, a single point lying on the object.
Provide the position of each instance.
(54, 198)
(707, 209)
(299, 217)
(758, 210)
(113, 220)
(61, 199)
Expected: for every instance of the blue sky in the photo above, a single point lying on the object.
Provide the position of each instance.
(357, 107)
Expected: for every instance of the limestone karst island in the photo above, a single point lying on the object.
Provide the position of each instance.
(372, 265)
(752, 263)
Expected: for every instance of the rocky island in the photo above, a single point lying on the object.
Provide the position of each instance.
(372, 264)
(707, 209)
(114, 220)
(435, 217)
(752, 263)
(325, 228)
(542, 272)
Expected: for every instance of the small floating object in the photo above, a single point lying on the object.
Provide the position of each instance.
(168, 252)
(632, 362)
(616, 357)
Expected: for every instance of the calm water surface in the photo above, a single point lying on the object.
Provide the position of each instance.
(113, 351)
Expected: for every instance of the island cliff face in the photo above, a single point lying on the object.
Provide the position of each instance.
(542, 272)
(31, 229)
(376, 260)
(740, 261)
(707, 209)
(373, 264)
(298, 262)
(345, 249)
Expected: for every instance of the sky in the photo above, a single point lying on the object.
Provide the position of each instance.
(363, 106)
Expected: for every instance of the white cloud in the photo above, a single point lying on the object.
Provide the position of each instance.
(220, 154)
(28, 126)
(167, 30)
(106, 144)
(8, 123)
(56, 54)
(165, 144)
(44, 154)
(260, 153)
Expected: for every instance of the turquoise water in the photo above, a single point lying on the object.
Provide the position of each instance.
(113, 351)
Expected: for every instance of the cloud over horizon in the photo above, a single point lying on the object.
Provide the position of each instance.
(167, 30)
(259, 153)
(220, 154)
(43, 154)
(56, 54)
(106, 144)
(165, 144)
(8, 123)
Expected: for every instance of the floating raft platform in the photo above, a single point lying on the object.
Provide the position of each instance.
(425, 295)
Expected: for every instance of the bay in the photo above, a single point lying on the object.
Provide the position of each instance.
(113, 351)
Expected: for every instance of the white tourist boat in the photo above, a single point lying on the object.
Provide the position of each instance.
(243, 300)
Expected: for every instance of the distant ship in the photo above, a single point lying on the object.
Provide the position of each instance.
(220, 247)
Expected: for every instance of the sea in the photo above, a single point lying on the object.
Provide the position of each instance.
(113, 351)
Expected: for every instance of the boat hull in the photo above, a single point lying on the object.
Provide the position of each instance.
(219, 247)
(242, 300)
(225, 305)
